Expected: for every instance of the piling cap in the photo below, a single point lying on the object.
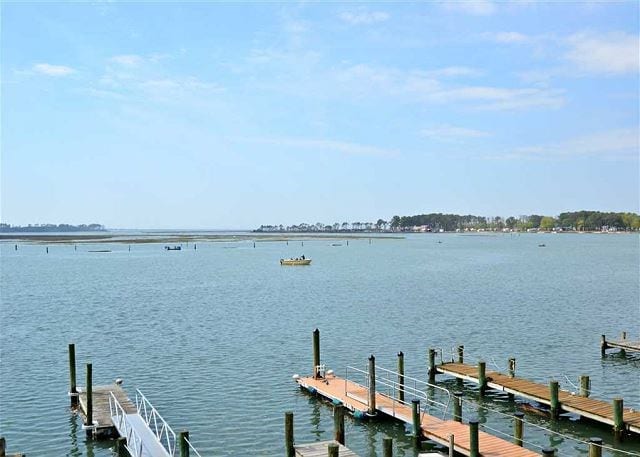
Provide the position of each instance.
(595, 440)
(519, 414)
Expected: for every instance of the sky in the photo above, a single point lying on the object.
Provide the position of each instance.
(209, 115)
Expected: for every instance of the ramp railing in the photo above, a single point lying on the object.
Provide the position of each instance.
(156, 423)
(119, 416)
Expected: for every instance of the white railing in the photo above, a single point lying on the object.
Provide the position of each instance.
(118, 414)
(156, 423)
(192, 448)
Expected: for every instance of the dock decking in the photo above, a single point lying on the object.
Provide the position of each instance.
(103, 424)
(354, 397)
(623, 344)
(597, 410)
(320, 449)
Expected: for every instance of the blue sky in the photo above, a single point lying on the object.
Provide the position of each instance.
(232, 115)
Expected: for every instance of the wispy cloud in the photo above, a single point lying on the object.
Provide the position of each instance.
(508, 37)
(363, 17)
(473, 7)
(611, 144)
(444, 132)
(609, 54)
(325, 145)
(454, 72)
(129, 60)
(53, 70)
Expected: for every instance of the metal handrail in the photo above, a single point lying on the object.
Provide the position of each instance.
(191, 447)
(134, 441)
(160, 428)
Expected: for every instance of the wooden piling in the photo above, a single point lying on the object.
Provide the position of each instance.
(554, 388)
(461, 353)
(183, 436)
(400, 376)
(432, 366)
(595, 447)
(3, 443)
(89, 387)
(372, 386)
(452, 444)
(474, 442)
(482, 377)
(338, 423)
(121, 450)
(585, 385)
(512, 367)
(518, 428)
(387, 447)
(333, 450)
(316, 353)
(457, 406)
(603, 346)
(548, 451)
(618, 421)
(288, 434)
(415, 422)
(73, 390)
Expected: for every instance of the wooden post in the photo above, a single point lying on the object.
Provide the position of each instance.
(183, 436)
(401, 376)
(89, 388)
(333, 450)
(387, 447)
(432, 366)
(603, 345)
(288, 434)
(482, 378)
(316, 353)
(518, 428)
(73, 391)
(618, 421)
(121, 450)
(457, 406)
(338, 423)
(555, 401)
(474, 443)
(624, 335)
(585, 385)
(415, 421)
(461, 353)
(512, 367)
(452, 445)
(595, 447)
(372, 386)
(549, 451)
(3, 443)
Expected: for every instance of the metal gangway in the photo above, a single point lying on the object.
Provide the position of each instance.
(146, 431)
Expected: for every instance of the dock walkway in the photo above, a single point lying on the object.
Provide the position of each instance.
(354, 397)
(320, 449)
(623, 344)
(594, 409)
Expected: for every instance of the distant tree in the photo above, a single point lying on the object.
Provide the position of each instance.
(511, 222)
(547, 223)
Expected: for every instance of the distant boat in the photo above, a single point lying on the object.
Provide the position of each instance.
(336, 244)
(542, 245)
(173, 248)
(295, 261)
(101, 250)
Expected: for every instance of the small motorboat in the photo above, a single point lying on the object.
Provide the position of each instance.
(542, 245)
(173, 248)
(298, 261)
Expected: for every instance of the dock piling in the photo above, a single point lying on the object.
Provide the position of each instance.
(3, 443)
(183, 437)
(73, 391)
(548, 451)
(401, 376)
(457, 406)
(474, 443)
(482, 377)
(512, 367)
(452, 450)
(554, 388)
(338, 423)
(461, 353)
(333, 450)
(387, 447)
(518, 428)
(595, 447)
(618, 421)
(288, 434)
(121, 450)
(432, 366)
(603, 346)
(415, 421)
(585, 385)
(372, 386)
(89, 388)
(316, 353)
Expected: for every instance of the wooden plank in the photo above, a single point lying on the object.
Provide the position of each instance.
(320, 449)
(101, 414)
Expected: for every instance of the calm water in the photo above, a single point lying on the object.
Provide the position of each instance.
(213, 336)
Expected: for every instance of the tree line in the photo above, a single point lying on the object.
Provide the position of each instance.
(52, 228)
(568, 221)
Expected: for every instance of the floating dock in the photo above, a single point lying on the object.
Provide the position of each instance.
(321, 449)
(622, 419)
(623, 344)
(103, 426)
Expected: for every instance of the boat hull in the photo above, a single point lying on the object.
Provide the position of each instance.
(295, 262)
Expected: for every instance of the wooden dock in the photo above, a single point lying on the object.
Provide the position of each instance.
(590, 408)
(623, 344)
(354, 397)
(321, 448)
(103, 426)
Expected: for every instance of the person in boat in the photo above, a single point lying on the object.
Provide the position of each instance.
(302, 256)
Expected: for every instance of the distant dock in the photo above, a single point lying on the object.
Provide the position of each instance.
(623, 344)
